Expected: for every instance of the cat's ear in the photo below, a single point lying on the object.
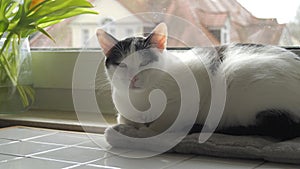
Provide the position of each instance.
(159, 36)
(106, 40)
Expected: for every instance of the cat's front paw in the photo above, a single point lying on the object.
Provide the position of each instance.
(112, 136)
(119, 128)
(119, 135)
(126, 136)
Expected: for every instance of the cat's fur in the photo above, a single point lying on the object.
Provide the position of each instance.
(263, 83)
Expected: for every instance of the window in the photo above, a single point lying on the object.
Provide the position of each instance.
(221, 22)
(85, 37)
(225, 38)
(109, 25)
(216, 33)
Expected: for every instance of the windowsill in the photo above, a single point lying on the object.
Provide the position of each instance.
(62, 120)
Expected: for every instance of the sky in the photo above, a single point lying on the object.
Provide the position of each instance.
(283, 10)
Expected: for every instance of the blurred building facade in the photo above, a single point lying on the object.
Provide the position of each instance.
(221, 22)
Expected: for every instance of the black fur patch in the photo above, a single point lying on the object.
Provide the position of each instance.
(278, 124)
(126, 47)
(218, 54)
(250, 45)
(196, 128)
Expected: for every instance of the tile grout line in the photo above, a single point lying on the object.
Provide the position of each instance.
(14, 155)
(9, 139)
(102, 166)
(73, 166)
(179, 162)
(47, 151)
(89, 162)
(31, 155)
(54, 160)
(86, 163)
(35, 137)
(12, 142)
(102, 158)
(93, 165)
(31, 140)
(91, 148)
(26, 139)
(34, 156)
(87, 141)
(47, 143)
(16, 158)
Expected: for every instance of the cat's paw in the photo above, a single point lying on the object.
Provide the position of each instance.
(122, 129)
(126, 136)
(112, 136)
(119, 135)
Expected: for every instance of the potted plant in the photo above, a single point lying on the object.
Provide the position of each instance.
(18, 20)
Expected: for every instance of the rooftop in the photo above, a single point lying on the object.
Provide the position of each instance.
(203, 14)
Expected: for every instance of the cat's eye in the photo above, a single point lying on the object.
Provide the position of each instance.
(122, 65)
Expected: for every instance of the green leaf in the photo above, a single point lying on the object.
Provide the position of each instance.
(43, 31)
(4, 23)
(17, 17)
(26, 5)
(23, 95)
(52, 6)
(66, 13)
(30, 92)
(50, 23)
(36, 7)
(4, 4)
(10, 9)
(63, 9)
(3, 26)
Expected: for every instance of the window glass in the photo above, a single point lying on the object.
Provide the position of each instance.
(222, 21)
(85, 37)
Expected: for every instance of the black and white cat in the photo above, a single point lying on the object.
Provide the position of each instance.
(263, 84)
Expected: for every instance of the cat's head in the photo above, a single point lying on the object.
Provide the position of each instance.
(126, 57)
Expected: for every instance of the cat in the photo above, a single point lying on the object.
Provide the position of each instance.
(263, 84)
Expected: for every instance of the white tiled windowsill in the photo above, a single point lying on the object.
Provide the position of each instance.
(35, 148)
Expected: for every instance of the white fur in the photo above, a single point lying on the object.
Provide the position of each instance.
(259, 81)
(256, 81)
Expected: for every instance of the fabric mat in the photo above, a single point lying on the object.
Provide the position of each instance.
(219, 145)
